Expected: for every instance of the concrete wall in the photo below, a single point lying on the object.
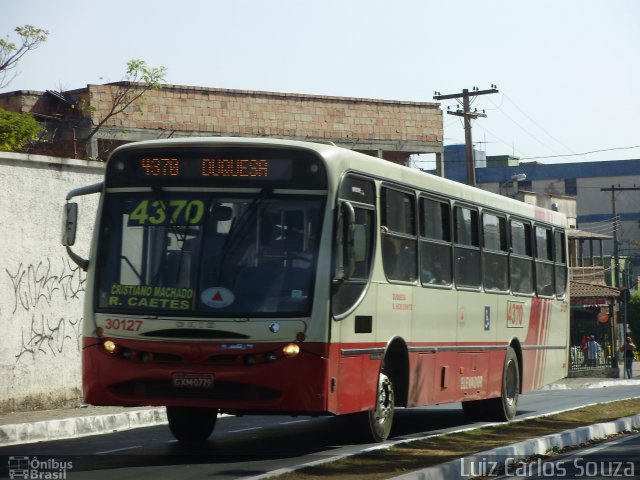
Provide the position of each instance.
(41, 290)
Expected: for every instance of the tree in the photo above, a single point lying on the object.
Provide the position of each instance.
(17, 130)
(30, 39)
(138, 80)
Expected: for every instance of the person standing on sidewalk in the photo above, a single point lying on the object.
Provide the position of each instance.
(593, 352)
(629, 349)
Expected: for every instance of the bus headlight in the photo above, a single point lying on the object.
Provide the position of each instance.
(291, 349)
(109, 346)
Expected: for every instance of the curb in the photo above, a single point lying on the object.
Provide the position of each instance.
(538, 446)
(21, 433)
(597, 384)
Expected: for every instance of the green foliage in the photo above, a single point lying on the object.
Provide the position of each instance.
(138, 79)
(17, 130)
(10, 53)
(139, 71)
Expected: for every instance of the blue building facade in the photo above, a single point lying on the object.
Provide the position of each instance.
(582, 180)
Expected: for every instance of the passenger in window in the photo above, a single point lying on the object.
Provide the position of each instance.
(398, 257)
(521, 280)
(494, 276)
(390, 252)
(408, 261)
(436, 274)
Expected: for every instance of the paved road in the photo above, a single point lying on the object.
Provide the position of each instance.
(251, 446)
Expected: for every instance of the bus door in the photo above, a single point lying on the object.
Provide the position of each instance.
(353, 301)
(434, 319)
(475, 316)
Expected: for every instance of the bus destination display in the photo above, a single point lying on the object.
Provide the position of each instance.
(192, 168)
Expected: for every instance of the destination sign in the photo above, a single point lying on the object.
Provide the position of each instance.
(190, 168)
(229, 167)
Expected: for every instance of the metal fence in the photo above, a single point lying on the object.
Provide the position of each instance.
(579, 360)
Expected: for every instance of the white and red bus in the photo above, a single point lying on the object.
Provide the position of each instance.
(234, 275)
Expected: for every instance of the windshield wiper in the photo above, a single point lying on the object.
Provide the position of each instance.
(161, 197)
(238, 227)
(175, 230)
(132, 267)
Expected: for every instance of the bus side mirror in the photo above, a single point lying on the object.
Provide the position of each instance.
(69, 224)
(352, 241)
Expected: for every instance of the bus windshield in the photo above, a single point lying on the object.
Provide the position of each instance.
(197, 253)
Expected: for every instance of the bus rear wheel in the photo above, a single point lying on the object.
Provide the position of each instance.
(505, 407)
(380, 419)
(189, 424)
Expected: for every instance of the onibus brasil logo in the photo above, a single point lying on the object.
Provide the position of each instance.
(34, 468)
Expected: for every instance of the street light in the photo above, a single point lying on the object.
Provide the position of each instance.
(515, 179)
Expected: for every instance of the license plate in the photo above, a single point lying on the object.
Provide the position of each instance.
(192, 380)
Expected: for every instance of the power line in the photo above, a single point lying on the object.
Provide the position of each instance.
(536, 123)
(501, 140)
(583, 153)
(526, 131)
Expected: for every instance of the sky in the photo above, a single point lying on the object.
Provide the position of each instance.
(567, 71)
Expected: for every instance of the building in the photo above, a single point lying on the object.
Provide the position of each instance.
(595, 309)
(389, 129)
(599, 189)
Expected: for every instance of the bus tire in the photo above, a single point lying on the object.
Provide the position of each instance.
(505, 407)
(189, 424)
(380, 419)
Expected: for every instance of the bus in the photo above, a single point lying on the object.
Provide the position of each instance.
(264, 276)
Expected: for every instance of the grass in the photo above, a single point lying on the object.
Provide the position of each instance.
(419, 454)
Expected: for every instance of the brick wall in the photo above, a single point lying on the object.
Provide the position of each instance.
(253, 113)
(395, 128)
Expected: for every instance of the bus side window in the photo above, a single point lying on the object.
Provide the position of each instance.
(560, 260)
(521, 258)
(435, 242)
(398, 235)
(353, 263)
(544, 262)
(495, 253)
(467, 247)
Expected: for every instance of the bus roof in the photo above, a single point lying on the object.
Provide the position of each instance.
(344, 159)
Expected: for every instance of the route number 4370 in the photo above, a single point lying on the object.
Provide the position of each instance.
(176, 212)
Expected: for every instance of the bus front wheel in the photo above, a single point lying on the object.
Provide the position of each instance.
(188, 424)
(381, 417)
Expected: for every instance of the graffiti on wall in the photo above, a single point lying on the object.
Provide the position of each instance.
(49, 336)
(36, 289)
(37, 283)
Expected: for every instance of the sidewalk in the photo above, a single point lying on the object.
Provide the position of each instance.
(43, 425)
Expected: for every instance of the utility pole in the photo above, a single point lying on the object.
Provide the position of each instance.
(624, 297)
(616, 241)
(467, 115)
